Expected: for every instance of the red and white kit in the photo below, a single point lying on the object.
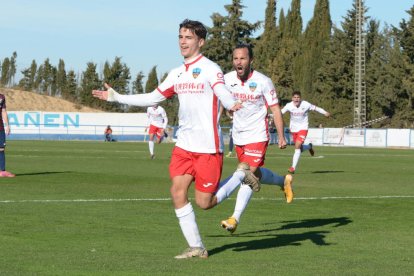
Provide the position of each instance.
(250, 125)
(199, 85)
(299, 119)
(157, 120)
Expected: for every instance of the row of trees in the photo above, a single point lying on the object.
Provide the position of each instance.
(317, 60)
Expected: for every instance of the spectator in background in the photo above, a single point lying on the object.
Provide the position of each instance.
(272, 131)
(108, 134)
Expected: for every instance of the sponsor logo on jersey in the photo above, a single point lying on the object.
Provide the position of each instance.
(189, 88)
(196, 72)
(207, 185)
(252, 86)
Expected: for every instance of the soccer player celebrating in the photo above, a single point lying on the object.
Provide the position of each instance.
(157, 122)
(250, 132)
(299, 123)
(198, 152)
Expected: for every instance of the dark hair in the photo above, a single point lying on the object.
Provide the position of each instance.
(247, 46)
(296, 93)
(195, 26)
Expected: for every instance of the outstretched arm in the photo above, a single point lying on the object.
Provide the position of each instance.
(111, 95)
(322, 111)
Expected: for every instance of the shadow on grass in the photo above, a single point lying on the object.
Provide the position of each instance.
(40, 173)
(328, 171)
(317, 237)
(279, 240)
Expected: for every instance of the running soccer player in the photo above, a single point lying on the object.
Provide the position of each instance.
(198, 152)
(4, 130)
(250, 132)
(299, 124)
(157, 122)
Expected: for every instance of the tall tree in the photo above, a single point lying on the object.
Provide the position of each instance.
(267, 45)
(12, 69)
(286, 68)
(90, 81)
(70, 90)
(152, 81)
(5, 67)
(316, 40)
(60, 77)
(227, 32)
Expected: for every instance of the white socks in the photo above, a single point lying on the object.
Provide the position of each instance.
(269, 177)
(188, 224)
(296, 157)
(243, 198)
(228, 185)
(151, 147)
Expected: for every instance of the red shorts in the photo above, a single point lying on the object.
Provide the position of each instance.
(204, 167)
(253, 154)
(157, 131)
(300, 136)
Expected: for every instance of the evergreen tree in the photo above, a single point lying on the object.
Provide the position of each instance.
(70, 90)
(137, 84)
(89, 82)
(152, 81)
(137, 88)
(33, 70)
(5, 67)
(117, 75)
(267, 45)
(12, 70)
(232, 31)
(316, 40)
(286, 66)
(60, 77)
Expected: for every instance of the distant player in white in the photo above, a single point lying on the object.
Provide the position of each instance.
(250, 132)
(198, 152)
(157, 122)
(299, 124)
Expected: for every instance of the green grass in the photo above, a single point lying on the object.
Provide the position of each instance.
(60, 216)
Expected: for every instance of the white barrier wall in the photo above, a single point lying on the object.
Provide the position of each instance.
(32, 122)
(49, 125)
(362, 137)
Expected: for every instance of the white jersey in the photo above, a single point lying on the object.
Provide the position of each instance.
(257, 94)
(157, 117)
(199, 85)
(299, 119)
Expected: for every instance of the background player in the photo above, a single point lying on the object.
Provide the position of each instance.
(299, 124)
(4, 130)
(157, 123)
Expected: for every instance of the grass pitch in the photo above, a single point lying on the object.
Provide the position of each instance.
(94, 208)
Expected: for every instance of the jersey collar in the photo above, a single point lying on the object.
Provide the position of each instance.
(197, 58)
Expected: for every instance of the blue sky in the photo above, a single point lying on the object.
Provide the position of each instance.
(143, 33)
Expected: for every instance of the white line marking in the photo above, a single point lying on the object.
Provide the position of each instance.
(167, 199)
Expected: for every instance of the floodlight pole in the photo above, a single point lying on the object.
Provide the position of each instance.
(360, 114)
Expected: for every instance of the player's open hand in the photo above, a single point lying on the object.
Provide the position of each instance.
(101, 94)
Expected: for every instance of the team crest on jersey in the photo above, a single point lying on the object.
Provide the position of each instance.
(252, 86)
(196, 72)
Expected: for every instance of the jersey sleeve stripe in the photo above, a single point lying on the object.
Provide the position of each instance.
(168, 93)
